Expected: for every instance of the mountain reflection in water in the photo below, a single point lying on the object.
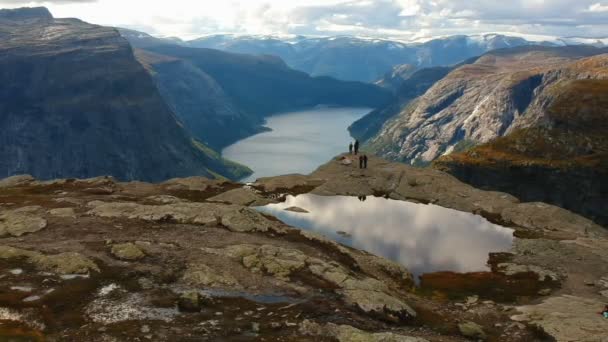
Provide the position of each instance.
(423, 238)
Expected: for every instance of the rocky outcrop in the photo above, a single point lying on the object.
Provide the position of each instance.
(496, 94)
(347, 333)
(64, 263)
(566, 318)
(563, 161)
(366, 294)
(21, 221)
(65, 115)
(127, 251)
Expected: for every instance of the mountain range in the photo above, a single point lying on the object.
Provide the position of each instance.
(363, 59)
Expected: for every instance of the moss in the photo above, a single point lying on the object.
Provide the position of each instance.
(228, 169)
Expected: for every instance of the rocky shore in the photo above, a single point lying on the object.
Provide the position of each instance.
(101, 260)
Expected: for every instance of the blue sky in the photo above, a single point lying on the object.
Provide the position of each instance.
(400, 19)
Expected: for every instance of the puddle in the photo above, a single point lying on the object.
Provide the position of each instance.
(423, 238)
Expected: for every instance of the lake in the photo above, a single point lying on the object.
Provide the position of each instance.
(299, 142)
(423, 238)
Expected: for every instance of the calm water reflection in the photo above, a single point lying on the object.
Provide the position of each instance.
(299, 142)
(424, 238)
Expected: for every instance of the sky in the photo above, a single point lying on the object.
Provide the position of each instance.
(392, 19)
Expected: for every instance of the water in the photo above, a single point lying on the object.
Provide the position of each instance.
(299, 142)
(423, 238)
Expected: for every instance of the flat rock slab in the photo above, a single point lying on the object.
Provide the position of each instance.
(347, 333)
(21, 221)
(567, 318)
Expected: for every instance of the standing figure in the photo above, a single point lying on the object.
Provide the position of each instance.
(365, 161)
(356, 147)
(360, 162)
(350, 148)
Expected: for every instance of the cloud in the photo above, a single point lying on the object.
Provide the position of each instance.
(403, 19)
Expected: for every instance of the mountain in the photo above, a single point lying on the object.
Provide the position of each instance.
(407, 86)
(360, 59)
(76, 103)
(495, 94)
(223, 97)
(563, 158)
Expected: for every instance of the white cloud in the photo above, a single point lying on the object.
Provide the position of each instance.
(404, 19)
(598, 7)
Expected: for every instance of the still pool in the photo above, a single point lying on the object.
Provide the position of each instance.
(423, 238)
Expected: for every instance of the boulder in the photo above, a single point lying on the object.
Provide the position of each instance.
(472, 330)
(511, 269)
(191, 301)
(21, 221)
(127, 251)
(64, 263)
(201, 275)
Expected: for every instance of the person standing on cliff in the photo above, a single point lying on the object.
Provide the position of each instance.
(365, 161)
(350, 148)
(356, 147)
(360, 162)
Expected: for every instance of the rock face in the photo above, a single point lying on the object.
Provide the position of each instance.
(407, 88)
(563, 160)
(499, 92)
(64, 115)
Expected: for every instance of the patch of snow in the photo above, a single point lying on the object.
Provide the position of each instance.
(106, 290)
(74, 276)
(22, 288)
(16, 271)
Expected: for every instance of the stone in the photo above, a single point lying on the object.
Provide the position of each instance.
(190, 184)
(544, 292)
(248, 220)
(63, 212)
(347, 333)
(21, 221)
(198, 274)
(164, 199)
(472, 300)
(241, 196)
(472, 330)
(190, 302)
(566, 318)
(127, 251)
(64, 263)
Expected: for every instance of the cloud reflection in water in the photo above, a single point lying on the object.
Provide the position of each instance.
(424, 238)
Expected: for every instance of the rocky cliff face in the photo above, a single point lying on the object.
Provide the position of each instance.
(76, 103)
(498, 93)
(407, 86)
(563, 159)
(199, 101)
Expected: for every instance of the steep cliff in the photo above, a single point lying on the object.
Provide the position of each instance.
(75, 102)
(497, 94)
(563, 160)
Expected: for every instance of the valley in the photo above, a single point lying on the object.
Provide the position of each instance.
(297, 142)
(158, 188)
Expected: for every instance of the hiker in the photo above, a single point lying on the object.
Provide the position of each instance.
(350, 148)
(605, 312)
(356, 147)
(360, 162)
(365, 161)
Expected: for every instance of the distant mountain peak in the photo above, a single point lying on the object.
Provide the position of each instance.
(25, 13)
